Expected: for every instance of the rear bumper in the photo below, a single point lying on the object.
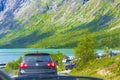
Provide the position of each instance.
(40, 76)
(52, 73)
(37, 71)
(27, 73)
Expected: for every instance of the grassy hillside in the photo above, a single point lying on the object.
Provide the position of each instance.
(62, 26)
(106, 68)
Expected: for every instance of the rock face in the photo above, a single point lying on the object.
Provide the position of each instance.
(52, 23)
(10, 10)
(15, 13)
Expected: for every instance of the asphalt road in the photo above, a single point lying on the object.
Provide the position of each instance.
(61, 76)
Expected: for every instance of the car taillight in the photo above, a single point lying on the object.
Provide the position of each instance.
(23, 65)
(51, 65)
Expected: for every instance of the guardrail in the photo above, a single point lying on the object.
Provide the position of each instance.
(2, 65)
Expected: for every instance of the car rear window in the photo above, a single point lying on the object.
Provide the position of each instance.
(39, 58)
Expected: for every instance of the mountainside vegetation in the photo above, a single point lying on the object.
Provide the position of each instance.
(106, 68)
(61, 24)
(84, 51)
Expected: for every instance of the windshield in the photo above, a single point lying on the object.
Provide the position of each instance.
(41, 58)
(63, 38)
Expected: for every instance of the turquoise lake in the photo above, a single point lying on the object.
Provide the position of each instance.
(7, 55)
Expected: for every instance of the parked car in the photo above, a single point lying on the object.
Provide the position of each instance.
(37, 63)
(112, 54)
(69, 65)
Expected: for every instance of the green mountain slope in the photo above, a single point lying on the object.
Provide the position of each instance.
(106, 68)
(63, 25)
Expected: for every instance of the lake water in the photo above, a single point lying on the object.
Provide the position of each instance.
(7, 55)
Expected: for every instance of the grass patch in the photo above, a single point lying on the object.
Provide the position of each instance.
(107, 68)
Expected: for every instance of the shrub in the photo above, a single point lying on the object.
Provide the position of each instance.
(13, 65)
(85, 50)
(58, 57)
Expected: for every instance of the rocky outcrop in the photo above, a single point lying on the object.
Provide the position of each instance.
(15, 13)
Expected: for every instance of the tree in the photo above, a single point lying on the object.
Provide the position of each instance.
(85, 50)
(106, 50)
(59, 57)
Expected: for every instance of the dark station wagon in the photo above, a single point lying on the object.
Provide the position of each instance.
(37, 64)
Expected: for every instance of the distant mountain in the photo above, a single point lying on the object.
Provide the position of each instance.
(15, 13)
(58, 23)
